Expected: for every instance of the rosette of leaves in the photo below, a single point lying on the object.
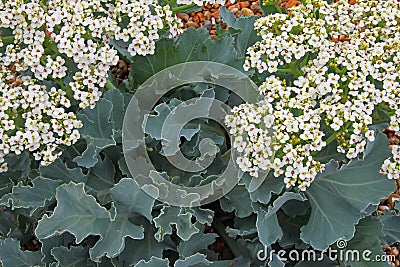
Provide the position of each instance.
(85, 210)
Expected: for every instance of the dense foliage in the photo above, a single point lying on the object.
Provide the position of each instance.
(67, 197)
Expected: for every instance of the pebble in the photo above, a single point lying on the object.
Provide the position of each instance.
(247, 12)
(208, 16)
(192, 24)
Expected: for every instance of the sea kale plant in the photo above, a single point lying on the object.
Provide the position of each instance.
(306, 137)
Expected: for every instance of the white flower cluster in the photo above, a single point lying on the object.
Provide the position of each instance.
(345, 60)
(203, 2)
(69, 45)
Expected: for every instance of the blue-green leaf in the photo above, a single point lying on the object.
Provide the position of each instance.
(391, 228)
(269, 230)
(73, 257)
(18, 167)
(144, 249)
(247, 36)
(239, 200)
(180, 217)
(129, 198)
(366, 238)
(153, 262)
(196, 243)
(97, 130)
(38, 195)
(12, 256)
(58, 170)
(79, 213)
(339, 197)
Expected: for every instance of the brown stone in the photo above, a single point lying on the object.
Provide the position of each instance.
(247, 12)
(192, 24)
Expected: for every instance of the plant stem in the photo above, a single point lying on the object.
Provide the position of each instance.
(180, 8)
(220, 228)
(109, 85)
(7, 39)
(295, 71)
(331, 138)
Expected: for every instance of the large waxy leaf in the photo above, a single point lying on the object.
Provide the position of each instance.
(269, 230)
(101, 177)
(98, 131)
(366, 238)
(80, 214)
(35, 196)
(144, 249)
(326, 262)
(18, 167)
(154, 123)
(192, 45)
(153, 262)
(199, 260)
(63, 240)
(12, 256)
(391, 228)
(58, 170)
(291, 230)
(8, 222)
(180, 217)
(73, 257)
(189, 42)
(118, 111)
(247, 36)
(237, 200)
(243, 226)
(196, 243)
(270, 185)
(129, 198)
(339, 197)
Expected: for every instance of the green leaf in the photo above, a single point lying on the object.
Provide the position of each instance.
(180, 217)
(189, 41)
(247, 36)
(154, 123)
(58, 170)
(38, 195)
(8, 222)
(275, 261)
(268, 9)
(269, 230)
(101, 177)
(98, 131)
(391, 228)
(74, 257)
(18, 168)
(118, 111)
(153, 262)
(237, 199)
(243, 226)
(339, 197)
(199, 260)
(196, 243)
(192, 45)
(264, 192)
(145, 249)
(164, 56)
(291, 230)
(48, 244)
(80, 214)
(326, 262)
(12, 256)
(366, 238)
(129, 198)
